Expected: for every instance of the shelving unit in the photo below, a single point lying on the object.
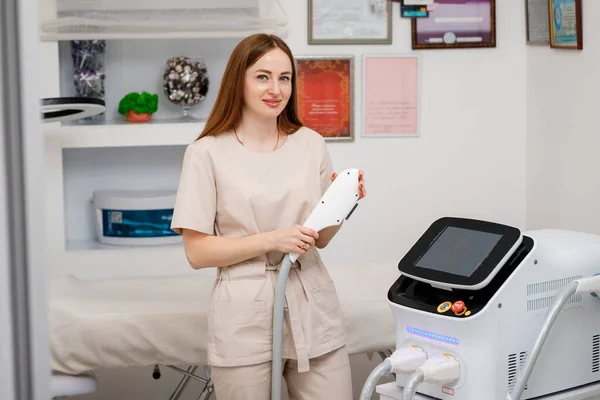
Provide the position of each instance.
(119, 20)
(90, 257)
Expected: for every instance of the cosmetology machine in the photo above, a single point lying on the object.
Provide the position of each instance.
(484, 311)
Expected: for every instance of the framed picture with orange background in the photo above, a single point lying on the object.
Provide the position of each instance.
(326, 95)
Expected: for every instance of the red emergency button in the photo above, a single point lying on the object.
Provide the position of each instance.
(458, 306)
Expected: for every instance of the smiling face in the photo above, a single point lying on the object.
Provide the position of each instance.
(268, 84)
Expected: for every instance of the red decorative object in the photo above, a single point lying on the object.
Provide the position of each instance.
(132, 116)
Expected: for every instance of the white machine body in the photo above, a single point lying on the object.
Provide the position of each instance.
(338, 203)
(491, 330)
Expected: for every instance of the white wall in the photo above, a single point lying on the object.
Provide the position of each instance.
(563, 190)
(469, 161)
(473, 121)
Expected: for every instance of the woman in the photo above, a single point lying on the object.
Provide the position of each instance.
(247, 184)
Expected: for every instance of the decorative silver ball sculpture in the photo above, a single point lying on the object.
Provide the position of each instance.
(185, 82)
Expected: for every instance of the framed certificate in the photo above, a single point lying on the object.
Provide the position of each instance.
(456, 24)
(536, 16)
(565, 24)
(391, 85)
(325, 88)
(349, 21)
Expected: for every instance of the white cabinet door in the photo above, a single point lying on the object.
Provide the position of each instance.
(24, 341)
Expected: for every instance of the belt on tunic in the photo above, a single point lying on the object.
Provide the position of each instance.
(296, 326)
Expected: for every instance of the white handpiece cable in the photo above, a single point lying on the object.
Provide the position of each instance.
(338, 203)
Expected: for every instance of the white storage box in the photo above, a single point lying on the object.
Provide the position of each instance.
(135, 217)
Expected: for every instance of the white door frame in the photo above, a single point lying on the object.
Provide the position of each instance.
(7, 389)
(24, 337)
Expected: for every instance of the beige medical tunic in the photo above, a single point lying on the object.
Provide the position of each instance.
(229, 190)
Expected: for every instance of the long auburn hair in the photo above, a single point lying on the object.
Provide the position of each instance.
(227, 110)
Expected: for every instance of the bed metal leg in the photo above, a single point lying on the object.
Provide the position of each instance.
(208, 388)
(206, 393)
(183, 383)
(190, 373)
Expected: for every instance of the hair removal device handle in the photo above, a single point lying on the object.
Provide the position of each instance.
(338, 203)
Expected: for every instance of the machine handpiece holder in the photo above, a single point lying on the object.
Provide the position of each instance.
(338, 203)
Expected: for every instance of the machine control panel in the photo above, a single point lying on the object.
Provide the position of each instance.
(445, 306)
(458, 308)
(455, 269)
(460, 253)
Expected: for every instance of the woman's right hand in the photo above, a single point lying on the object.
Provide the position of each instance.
(295, 239)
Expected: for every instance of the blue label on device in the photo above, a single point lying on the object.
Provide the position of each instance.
(137, 223)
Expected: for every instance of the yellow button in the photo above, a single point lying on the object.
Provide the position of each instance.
(445, 306)
(461, 312)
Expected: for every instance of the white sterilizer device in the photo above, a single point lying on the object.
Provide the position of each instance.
(135, 217)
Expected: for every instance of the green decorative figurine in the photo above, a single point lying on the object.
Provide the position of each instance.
(138, 107)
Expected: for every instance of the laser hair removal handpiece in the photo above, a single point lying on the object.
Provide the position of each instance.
(338, 203)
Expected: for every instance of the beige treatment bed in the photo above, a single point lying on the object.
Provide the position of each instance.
(162, 320)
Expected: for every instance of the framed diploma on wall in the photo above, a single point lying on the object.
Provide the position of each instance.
(349, 21)
(325, 86)
(536, 16)
(565, 24)
(391, 86)
(456, 24)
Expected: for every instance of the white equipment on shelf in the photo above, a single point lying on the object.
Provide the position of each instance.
(135, 217)
(64, 109)
(484, 311)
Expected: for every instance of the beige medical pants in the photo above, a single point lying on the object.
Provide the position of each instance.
(329, 378)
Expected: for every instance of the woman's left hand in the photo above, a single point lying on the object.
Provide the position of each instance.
(361, 183)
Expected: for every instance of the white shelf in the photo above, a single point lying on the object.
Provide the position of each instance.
(94, 260)
(157, 133)
(83, 246)
(89, 258)
(91, 251)
(85, 29)
(138, 19)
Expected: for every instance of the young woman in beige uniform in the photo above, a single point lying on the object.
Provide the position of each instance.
(247, 184)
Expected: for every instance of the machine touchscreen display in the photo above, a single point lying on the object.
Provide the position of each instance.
(458, 251)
